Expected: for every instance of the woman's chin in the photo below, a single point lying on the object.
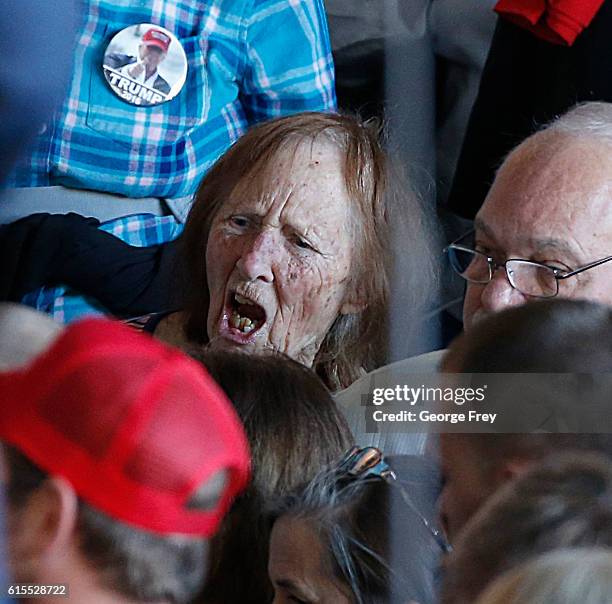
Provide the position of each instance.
(234, 339)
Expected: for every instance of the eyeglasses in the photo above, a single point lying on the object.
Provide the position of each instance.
(530, 278)
(369, 461)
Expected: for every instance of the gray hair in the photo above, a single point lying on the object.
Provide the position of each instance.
(572, 575)
(585, 120)
(24, 333)
(353, 517)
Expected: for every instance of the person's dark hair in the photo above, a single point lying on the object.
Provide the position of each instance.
(294, 429)
(547, 337)
(137, 564)
(355, 341)
(564, 502)
(377, 548)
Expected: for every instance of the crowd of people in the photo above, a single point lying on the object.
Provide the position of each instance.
(202, 292)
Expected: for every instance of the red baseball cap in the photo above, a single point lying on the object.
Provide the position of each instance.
(156, 37)
(134, 425)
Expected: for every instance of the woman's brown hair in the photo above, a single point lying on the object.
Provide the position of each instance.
(356, 341)
(294, 429)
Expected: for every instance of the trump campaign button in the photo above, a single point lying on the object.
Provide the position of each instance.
(145, 65)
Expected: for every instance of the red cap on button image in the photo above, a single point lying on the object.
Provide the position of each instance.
(134, 425)
(156, 37)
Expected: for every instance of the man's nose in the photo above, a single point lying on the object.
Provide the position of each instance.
(258, 257)
(499, 294)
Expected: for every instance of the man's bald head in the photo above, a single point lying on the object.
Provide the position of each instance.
(24, 333)
(550, 203)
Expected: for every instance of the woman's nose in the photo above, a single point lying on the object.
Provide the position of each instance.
(258, 257)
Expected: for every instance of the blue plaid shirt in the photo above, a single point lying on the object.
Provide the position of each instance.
(248, 60)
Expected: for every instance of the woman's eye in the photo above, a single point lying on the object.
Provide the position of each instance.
(239, 221)
(303, 244)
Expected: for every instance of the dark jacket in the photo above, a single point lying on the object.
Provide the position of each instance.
(526, 83)
(68, 249)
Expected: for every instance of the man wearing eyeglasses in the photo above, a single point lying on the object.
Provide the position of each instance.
(545, 228)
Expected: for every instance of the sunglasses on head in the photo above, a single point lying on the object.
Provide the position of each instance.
(359, 463)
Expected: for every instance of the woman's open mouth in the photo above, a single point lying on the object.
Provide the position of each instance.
(244, 317)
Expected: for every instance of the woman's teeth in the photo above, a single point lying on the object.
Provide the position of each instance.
(244, 324)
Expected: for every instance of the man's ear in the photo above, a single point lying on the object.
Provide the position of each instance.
(43, 525)
(54, 510)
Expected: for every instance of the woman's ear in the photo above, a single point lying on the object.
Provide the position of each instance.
(354, 302)
(352, 308)
(355, 299)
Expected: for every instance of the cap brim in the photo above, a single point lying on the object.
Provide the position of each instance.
(156, 44)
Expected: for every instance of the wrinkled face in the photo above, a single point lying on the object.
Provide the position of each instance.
(299, 566)
(550, 203)
(151, 56)
(466, 485)
(278, 264)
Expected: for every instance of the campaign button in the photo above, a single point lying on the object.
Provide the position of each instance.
(145, 65)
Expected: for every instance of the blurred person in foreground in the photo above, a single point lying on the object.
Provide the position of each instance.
(332, 542)
(554, 336)
(573, 575)
(36, 39)
(24, 333)
(122, 458)
(36, 45)
(294, 429)
(563, 502)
